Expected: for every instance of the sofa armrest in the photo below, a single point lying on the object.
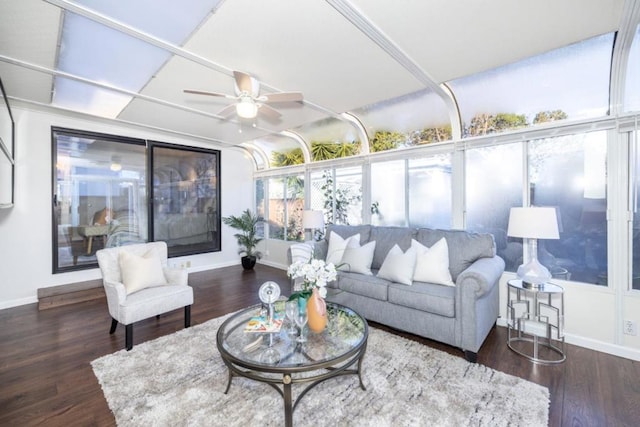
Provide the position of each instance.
(176, 276)
(477, 302)
(482, 275)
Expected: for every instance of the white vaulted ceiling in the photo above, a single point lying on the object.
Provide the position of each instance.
(341, 54)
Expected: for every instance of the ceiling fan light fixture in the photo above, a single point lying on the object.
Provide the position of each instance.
(116, 164)
(247, 109)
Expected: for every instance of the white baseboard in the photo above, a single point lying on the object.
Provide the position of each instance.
(18, 302)
(274, 264)
(199, 268)
(592, 344)
(605, 347)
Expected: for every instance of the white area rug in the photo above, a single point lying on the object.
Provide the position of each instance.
(179, 380)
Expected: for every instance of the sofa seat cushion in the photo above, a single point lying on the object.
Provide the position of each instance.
(429, 297)
(367, 286)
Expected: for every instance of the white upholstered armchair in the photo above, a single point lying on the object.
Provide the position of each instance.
(139, 285)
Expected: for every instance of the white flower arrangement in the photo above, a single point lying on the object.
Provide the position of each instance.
(315, 274)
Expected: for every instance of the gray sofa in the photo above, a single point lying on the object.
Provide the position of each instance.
(460, 315)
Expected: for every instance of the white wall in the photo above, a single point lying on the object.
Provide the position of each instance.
(26, 229)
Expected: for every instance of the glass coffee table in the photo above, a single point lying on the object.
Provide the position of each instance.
(280, 361)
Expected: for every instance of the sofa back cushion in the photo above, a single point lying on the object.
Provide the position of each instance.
(464, 247)
(386, 238)
(345, 231)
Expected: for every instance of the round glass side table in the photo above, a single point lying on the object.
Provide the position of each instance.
(535, 321)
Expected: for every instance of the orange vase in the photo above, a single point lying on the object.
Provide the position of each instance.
(316, 312)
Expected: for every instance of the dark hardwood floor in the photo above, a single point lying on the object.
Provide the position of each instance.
(46, 377)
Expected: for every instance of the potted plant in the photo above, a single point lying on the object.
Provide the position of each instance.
(247, 240)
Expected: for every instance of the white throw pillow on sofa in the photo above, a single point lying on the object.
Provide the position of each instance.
(356, 258)
(432, 264)
(139, 272)
(399, 266)
(337, 245)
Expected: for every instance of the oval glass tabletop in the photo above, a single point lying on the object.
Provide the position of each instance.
(345, 334)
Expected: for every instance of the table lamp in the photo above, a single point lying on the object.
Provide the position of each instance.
(533, 223)
(312, 220)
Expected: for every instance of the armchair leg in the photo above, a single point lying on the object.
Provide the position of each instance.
(114, 324)
(128, 336)
(187, 316)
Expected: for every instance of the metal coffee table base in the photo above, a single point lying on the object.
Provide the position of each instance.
(284, 385)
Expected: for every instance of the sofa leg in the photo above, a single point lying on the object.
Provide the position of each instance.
(471, 356)
(128, 336)
(114, 324)
(187, 316)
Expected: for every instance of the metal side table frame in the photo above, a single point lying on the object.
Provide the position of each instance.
(534, 307)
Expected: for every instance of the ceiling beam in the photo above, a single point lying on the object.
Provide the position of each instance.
(620, 56)
(368, 28)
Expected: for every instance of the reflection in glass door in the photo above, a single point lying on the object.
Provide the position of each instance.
(99, 196)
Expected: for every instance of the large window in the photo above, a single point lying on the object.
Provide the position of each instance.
(414, 119)
(285, 206)
(429, 192)
(494, 179)
(547, 87)
(570, 173)
(101, 191)
(338, 193)
(261, 208)
(632, 86)
(388, 193)
(414, 192)
(635, 208)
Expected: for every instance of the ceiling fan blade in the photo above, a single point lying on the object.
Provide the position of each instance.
(201, 92)
(243, 81)
(227, 111)
(269, 112)
(282, 97)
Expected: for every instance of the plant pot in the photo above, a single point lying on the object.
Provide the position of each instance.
(248, 262)
(316, 312)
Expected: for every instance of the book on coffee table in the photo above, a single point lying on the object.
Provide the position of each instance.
(260, 324)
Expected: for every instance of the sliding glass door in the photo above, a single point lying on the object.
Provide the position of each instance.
(99, 196)
(103, 186)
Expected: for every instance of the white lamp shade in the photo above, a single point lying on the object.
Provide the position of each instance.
(533, 223)
(312, 219)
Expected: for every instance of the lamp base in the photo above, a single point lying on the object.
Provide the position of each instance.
(533, 274)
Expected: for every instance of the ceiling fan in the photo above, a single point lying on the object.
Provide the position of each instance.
(249, 101)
